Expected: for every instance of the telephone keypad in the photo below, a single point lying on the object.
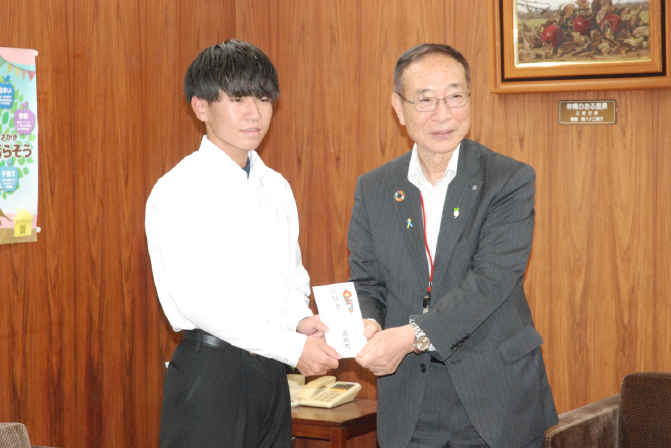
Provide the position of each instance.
(327, 396)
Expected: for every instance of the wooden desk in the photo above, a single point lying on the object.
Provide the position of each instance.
(338, 424)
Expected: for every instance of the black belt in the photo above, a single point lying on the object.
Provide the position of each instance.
(205, 338)
(201, 337)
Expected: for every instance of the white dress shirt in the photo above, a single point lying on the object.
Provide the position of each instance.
(225, 255)
(433, 196)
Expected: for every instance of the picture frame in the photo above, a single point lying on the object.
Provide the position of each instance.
(588, 60)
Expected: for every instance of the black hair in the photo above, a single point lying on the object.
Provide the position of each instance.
(423, 50)
(237, 68)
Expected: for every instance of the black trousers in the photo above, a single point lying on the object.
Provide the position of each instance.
(443, 421)
(224, 398)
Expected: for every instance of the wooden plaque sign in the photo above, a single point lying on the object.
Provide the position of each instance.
(587, 112)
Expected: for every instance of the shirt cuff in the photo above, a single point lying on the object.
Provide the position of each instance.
(289, 349)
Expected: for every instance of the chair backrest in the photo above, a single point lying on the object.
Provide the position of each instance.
(645, 410)
(13, 435)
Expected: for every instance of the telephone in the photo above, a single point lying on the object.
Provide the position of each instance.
(326, 392)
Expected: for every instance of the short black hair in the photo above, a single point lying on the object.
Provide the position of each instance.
(237, 68)
(421, 51)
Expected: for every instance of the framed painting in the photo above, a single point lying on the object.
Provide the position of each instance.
(580, 45)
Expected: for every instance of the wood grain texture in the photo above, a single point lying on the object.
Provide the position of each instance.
(37, 304)
(334, 120)
(82, 336)
(597, 279)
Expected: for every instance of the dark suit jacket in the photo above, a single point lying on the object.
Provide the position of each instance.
(479, 319)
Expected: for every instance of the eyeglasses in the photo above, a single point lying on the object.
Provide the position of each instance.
(429, 103)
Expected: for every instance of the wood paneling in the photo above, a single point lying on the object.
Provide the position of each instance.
(333, 121)
(597, 280)
(82, 336)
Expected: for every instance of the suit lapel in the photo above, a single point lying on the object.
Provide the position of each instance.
(462, 196)
(410, 208)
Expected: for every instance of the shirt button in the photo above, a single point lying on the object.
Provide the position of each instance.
(422, 368)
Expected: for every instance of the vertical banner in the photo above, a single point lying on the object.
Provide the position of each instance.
(18, 146)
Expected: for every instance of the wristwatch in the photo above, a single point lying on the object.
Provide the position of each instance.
(422, 342)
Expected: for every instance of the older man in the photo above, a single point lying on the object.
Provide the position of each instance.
(439, 241)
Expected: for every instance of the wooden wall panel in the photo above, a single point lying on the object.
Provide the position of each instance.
(37, 300)
(597, 279)
(659, 146)
(334, 61)
(82, 336)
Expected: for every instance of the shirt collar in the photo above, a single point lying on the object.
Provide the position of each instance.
(416, 175)
(247, 168)
(213, 152)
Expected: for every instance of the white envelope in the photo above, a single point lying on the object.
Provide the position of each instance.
(338, 307)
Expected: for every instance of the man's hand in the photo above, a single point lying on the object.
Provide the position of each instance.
(317, 358)
(370, 327)
(312, 326)
(386, 349)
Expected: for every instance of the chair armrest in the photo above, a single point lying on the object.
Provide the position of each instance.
(14, 435)
(591, 426)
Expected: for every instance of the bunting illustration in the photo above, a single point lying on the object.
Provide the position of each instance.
(18, 146)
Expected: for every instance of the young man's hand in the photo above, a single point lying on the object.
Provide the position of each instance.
(317, 358)
(370, 327)
(312, 326)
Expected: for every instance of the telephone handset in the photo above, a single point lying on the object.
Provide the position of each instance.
(326, 392)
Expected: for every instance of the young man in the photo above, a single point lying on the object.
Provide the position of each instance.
(222, 230)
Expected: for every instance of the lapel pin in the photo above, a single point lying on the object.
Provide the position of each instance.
(456, 212)
(409, 223)
(399, 195)
(475, 187)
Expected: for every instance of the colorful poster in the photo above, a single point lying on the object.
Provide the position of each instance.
(18, 146)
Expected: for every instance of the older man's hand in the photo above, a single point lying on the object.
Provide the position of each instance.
(386, 349)
(370, 328)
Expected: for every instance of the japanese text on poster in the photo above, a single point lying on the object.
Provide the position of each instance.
(18, 146)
